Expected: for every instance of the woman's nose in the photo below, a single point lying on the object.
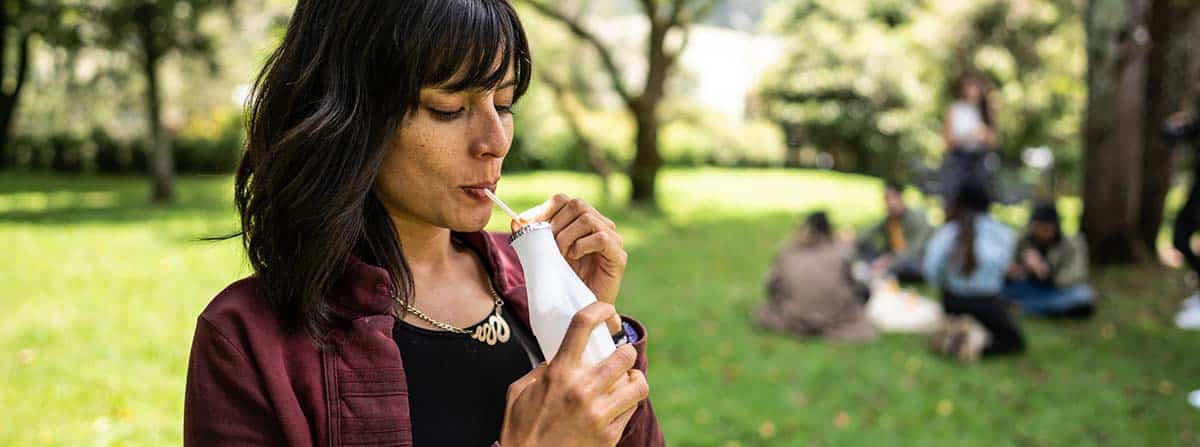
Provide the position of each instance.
(490, 137)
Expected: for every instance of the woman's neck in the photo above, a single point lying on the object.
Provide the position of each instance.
(427, 248)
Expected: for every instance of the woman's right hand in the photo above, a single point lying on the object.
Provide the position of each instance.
(566, 402)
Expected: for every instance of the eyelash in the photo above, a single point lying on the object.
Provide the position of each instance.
(452, 115)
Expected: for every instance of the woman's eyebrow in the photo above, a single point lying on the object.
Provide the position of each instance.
(503, 85)
(506, 84)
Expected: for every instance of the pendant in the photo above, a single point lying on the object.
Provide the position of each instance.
(494, 330)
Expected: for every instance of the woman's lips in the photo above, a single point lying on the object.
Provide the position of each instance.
(476, 191)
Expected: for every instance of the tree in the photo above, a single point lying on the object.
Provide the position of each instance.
(153, 30)
(841, 88)
(569, 105)
(664, 17)
(1134, 81)
(1173, 69)
(868, 81)
(20, 22)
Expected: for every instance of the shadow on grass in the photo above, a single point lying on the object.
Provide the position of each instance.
(62, 200)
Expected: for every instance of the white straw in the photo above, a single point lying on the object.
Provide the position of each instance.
(500, 203)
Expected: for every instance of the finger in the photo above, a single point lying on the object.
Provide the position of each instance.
(625, 397)
(617, 428)
(582, 226)
(518, 387)
(582, 325)
(611, 371)
(546, 210)
(573, 209)
(607, 244)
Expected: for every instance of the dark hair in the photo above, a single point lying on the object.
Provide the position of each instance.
(816, 230)
(1047, 212)
(971, 200)
(893, 186)
(985, 104)
(818, 223)
(324, 109)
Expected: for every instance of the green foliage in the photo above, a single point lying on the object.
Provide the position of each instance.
(154, 27)
(208, 144)
(211, 144)
(102, 298)
(869, 80)
(703, 138)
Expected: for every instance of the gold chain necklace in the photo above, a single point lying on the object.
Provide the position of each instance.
(494, 330)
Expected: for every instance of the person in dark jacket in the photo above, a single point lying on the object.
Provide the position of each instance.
(896, 245)
(1049, 272)
(1183, 128)
(379, 312)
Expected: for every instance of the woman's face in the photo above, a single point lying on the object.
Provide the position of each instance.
(1043, 232)
(971, 91)
(445, 153)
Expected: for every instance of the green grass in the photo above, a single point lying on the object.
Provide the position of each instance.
(100, 293)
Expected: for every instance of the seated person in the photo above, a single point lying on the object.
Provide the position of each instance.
(966, 260)
(809, 289)
(1050, 272)
(894, 247)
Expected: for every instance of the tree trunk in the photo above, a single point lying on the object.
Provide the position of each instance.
(162, 164)
(643, 172)
(1160, 102)
(1115, 133)
(1175, 33)
(8, 100)
(793, 135)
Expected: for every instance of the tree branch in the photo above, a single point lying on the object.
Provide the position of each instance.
(22, 65)
(673, 56)
(576, 28)
(681, 15)
(595, 155)
(676, 11)
(650, 9)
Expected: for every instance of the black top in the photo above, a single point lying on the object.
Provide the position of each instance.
(457, 386)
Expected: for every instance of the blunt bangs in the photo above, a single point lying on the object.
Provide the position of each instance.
(470, 44)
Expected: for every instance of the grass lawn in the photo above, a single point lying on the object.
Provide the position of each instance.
(100, 293)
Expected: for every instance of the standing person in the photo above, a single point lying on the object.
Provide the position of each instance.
(374, 130)
(1050, 272)
(1184, 127)
(896, 245)
(966, 259)
(809, 288)
(969, 132)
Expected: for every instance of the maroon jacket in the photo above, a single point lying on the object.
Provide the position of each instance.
(249, 383)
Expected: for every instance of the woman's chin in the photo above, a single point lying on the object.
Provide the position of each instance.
(472, 223)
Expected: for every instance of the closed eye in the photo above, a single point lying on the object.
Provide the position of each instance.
(445, 115)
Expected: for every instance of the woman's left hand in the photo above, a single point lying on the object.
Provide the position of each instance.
(590, 244)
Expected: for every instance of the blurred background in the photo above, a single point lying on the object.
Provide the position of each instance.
(706, 129)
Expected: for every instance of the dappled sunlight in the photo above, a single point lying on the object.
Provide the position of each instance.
(40, 202)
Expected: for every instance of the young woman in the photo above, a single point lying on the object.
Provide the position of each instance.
(967, 258)
(374, 130)
(1049, 272)
(969, 131)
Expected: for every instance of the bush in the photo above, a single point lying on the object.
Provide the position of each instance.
(210, 143)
